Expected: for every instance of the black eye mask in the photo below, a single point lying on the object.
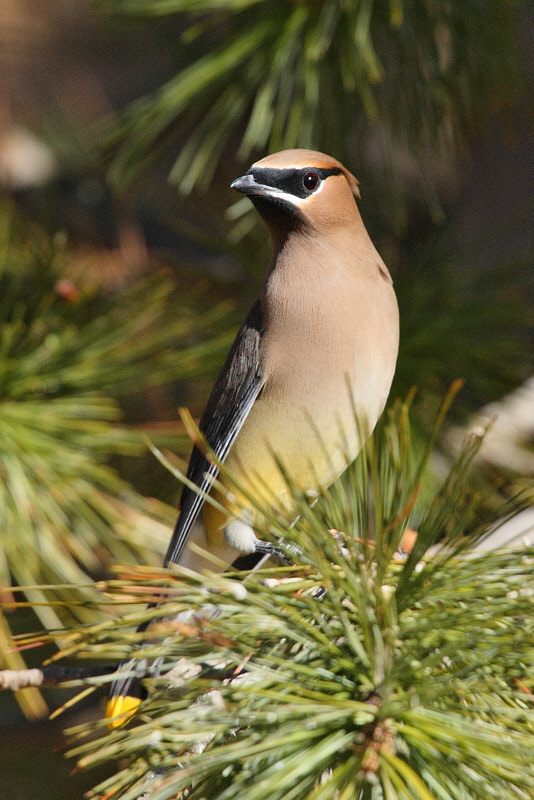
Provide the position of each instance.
(291, 180)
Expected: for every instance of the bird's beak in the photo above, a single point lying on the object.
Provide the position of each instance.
(247, 185)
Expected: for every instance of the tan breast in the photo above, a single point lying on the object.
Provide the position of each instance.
(330, 345)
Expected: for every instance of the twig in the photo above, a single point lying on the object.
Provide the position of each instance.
(15, 679)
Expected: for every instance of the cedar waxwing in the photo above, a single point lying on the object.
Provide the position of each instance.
(311, 366)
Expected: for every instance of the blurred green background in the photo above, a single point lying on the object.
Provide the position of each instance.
(126, 263)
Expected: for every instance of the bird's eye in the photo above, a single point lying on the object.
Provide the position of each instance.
(310, 181)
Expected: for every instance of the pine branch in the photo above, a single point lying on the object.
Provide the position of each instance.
(355, 672)
(13, 680)
(334, 76)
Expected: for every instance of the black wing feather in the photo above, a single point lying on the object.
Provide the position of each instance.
(231, 399)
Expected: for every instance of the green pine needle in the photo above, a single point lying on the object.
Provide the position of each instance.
(356, 673)
(65, 514)
(340, 76)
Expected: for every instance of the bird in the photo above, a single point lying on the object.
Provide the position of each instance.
(307, 376)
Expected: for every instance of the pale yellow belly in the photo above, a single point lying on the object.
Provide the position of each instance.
(314, 436)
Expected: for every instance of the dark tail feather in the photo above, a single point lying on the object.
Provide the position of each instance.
(127, 692)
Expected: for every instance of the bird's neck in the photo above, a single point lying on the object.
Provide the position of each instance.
(282, 222)
(310, 256)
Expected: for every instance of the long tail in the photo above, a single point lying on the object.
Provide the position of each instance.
(127, 692)
(125, 697)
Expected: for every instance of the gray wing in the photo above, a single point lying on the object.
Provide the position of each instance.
(231, 399)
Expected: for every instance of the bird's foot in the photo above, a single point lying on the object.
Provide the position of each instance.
(268, 548)
(240, 535)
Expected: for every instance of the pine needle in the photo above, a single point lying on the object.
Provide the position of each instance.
(355, 672)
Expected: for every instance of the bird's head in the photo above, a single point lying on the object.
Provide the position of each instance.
(301, 190)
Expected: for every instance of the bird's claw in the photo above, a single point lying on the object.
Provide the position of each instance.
(268, 548)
